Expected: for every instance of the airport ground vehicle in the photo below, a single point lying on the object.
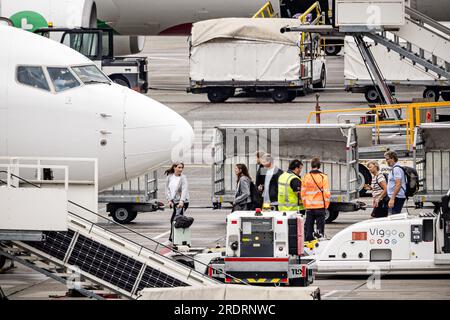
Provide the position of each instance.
(399, 244)
(335, 144)
(396, 72)
(126, 200)
(252, 55)
(263, 247)
(431, 153)
(98, 45)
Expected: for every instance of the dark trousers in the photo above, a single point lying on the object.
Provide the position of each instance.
(314, 216)
(174, 213)
(398, 206)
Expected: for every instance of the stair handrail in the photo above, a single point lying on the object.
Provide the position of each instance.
(414, 14)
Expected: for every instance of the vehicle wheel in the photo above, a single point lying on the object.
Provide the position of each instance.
(372, 95)
(280, 95)
(2, 261)
(323, 79)
(217, 95)
(365, 177)
(331, 215)
(292, 95)
(445, 95)
(431, 93)
(123, 215)
(121, 81)
(332, 50)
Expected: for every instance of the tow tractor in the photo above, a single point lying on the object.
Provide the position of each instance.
(263, 247)
(399, 244)
(98, 45)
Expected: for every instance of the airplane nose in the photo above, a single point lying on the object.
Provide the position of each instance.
(153, 134)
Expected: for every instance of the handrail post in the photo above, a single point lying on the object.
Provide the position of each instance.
(317, 108)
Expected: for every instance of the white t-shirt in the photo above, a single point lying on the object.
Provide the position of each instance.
(269, 174)
(174, 185)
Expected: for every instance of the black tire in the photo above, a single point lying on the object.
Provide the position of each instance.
(372, 95)
(2, 261)
(217, 95)
(323, 79)
(331, 215)
(121, 81)
(365, 177)
(445, 95)
(280, 95)
(123, 215)
(332, 50)
(431, 93)
(292, 95)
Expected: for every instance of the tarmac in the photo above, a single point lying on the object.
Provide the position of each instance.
(169, 77)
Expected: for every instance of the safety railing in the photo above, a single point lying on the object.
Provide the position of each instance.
(412, 116)
(266, 11)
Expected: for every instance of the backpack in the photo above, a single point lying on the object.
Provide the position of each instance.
(412, 181)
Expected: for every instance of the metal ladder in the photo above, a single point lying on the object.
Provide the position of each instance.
(426, 43)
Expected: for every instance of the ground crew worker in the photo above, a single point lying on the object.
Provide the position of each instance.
(289, 186)
(315, 193)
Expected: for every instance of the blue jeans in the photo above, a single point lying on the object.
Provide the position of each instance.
(398, 206)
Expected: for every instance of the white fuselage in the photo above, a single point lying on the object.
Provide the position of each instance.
(128, 132)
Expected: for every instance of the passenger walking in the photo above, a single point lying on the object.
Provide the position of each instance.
(271, 174)
(316, 196)
(177, 192)
(242, 198)
(259, 179)
(396, 185)
(379, 191)
(289, 187)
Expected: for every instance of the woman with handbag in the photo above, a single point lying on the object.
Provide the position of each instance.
(177, 192)
(379, 191)
(242, 198)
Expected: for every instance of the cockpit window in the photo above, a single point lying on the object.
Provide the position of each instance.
(62, 79)
(32, 76)
(90, 74)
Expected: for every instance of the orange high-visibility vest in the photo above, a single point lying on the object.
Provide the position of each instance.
(315, 195)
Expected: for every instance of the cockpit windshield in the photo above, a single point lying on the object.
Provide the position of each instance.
(90, 74)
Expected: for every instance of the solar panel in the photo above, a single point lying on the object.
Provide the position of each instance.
(153, 278)
(56, 243)
(105, 263)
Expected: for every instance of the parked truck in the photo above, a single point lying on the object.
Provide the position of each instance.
(432, 162)
(397, 73)
(252, 55)
(335, 144)
(98, 45)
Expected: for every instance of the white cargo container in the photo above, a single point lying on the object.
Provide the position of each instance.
(396, 71)
(252, 54)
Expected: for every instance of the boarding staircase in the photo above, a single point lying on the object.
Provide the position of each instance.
(93, 260)
(422, 40)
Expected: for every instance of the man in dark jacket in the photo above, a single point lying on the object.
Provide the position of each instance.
(259, 180)
(270, 187)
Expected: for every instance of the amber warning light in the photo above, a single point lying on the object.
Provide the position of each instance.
(359, 236)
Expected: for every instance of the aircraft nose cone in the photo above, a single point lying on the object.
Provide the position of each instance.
(153, 134)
